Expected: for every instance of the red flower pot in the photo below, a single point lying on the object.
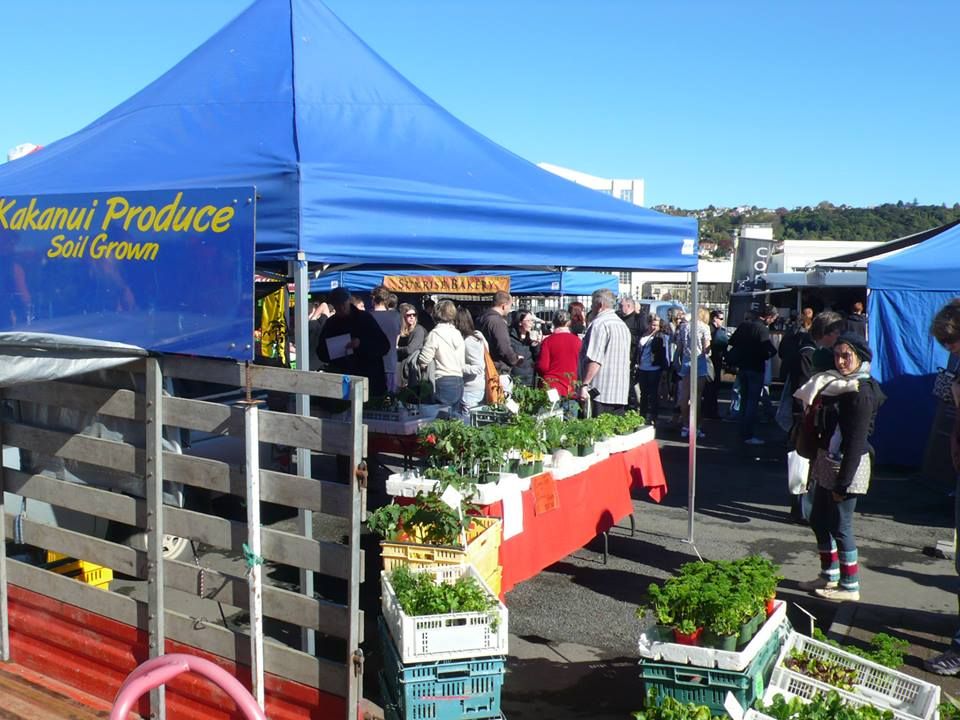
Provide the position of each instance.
(687, 639)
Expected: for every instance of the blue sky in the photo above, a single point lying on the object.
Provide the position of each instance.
(711, 102)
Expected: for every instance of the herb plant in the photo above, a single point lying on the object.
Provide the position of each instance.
(821, 707)
(671, 709)
(419, 594)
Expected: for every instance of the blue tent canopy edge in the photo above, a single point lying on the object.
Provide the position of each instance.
(352, 163)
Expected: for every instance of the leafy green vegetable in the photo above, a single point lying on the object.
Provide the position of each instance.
(420, 594)
(672, 709)
(821, 707)
(887, 651)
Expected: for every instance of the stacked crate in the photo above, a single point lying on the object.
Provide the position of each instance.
(86, 572)
(442, 667)
(907, 697)
(704, 676)
(482, 551)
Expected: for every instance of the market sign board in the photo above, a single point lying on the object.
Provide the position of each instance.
(166, 270)
(453, 284)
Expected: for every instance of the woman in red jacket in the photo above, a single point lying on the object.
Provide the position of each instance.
(559, 355)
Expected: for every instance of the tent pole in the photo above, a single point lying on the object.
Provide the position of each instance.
(694, 405)
(301, 280)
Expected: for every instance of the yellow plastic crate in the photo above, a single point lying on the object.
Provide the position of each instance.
(86, 572)
(495, 580)
(483, 550)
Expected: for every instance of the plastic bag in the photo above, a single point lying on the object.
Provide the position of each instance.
(798, 472)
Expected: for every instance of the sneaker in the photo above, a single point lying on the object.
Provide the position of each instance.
(818, 583)
(684, 432)
(947, 663)
(754, 441)
(839, 594)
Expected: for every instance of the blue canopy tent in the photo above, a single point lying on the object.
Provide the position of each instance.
(353, 165)
(905, 291)
(522, 282)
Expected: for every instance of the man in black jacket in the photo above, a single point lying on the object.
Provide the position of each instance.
(365, 348)
(752, 347)
(493, 325)
(637, 325)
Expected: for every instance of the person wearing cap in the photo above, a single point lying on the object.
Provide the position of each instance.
(841, 405)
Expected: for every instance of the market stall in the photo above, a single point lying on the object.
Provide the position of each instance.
(347, 165)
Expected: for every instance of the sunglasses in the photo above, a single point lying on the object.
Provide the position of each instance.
(844, 355)
(411, 314)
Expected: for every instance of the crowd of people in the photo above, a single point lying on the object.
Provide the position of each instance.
(608, 357)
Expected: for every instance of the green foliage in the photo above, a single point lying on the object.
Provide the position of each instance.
(824, 221)
(419, 594)
(532, 401)
(822, 669)
(428, 520)
(887, 651)
(719, 595)
(672, 709)
(821, 707)
(949, 709)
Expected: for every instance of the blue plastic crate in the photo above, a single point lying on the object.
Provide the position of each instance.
(709, 686)
(444, 690)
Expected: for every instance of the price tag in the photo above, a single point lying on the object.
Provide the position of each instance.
(553, 395)
(545, 495)
(452, 497)
(513, 406)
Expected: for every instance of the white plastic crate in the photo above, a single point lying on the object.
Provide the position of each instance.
(451, 636)
(652, 649)
(876, 685)
(485, 493)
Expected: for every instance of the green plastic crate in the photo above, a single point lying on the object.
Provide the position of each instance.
(709, 686)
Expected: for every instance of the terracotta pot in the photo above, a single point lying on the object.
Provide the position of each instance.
(685, 639)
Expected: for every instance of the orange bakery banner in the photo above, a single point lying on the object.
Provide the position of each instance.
(455, 284)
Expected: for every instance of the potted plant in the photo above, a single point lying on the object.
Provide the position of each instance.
(553, 429)
(580, 436)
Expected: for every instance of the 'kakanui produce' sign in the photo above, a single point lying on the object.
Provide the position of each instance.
(166, 270)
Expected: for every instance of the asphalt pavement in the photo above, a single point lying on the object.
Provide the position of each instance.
(573, 629)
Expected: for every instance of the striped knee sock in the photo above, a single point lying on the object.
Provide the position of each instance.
(849, 570)
(829, 562)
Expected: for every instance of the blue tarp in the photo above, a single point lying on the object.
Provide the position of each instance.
(905, 291)
(352, 163)
(522, 282)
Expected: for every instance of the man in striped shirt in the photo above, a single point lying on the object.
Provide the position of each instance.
(605, 357)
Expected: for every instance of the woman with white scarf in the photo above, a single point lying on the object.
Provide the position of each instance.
(839, 409)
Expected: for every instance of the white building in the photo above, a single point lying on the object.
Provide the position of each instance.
(628, 190)
(798, 255)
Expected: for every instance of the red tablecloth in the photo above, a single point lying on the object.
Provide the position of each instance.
(590, 503)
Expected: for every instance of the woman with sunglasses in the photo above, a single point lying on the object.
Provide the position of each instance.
(409, 343)
(840, 407)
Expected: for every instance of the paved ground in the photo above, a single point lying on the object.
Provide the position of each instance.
(573, 631)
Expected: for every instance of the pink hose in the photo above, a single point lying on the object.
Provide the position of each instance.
(161, 670)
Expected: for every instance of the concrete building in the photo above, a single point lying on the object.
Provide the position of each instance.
(629, 190)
